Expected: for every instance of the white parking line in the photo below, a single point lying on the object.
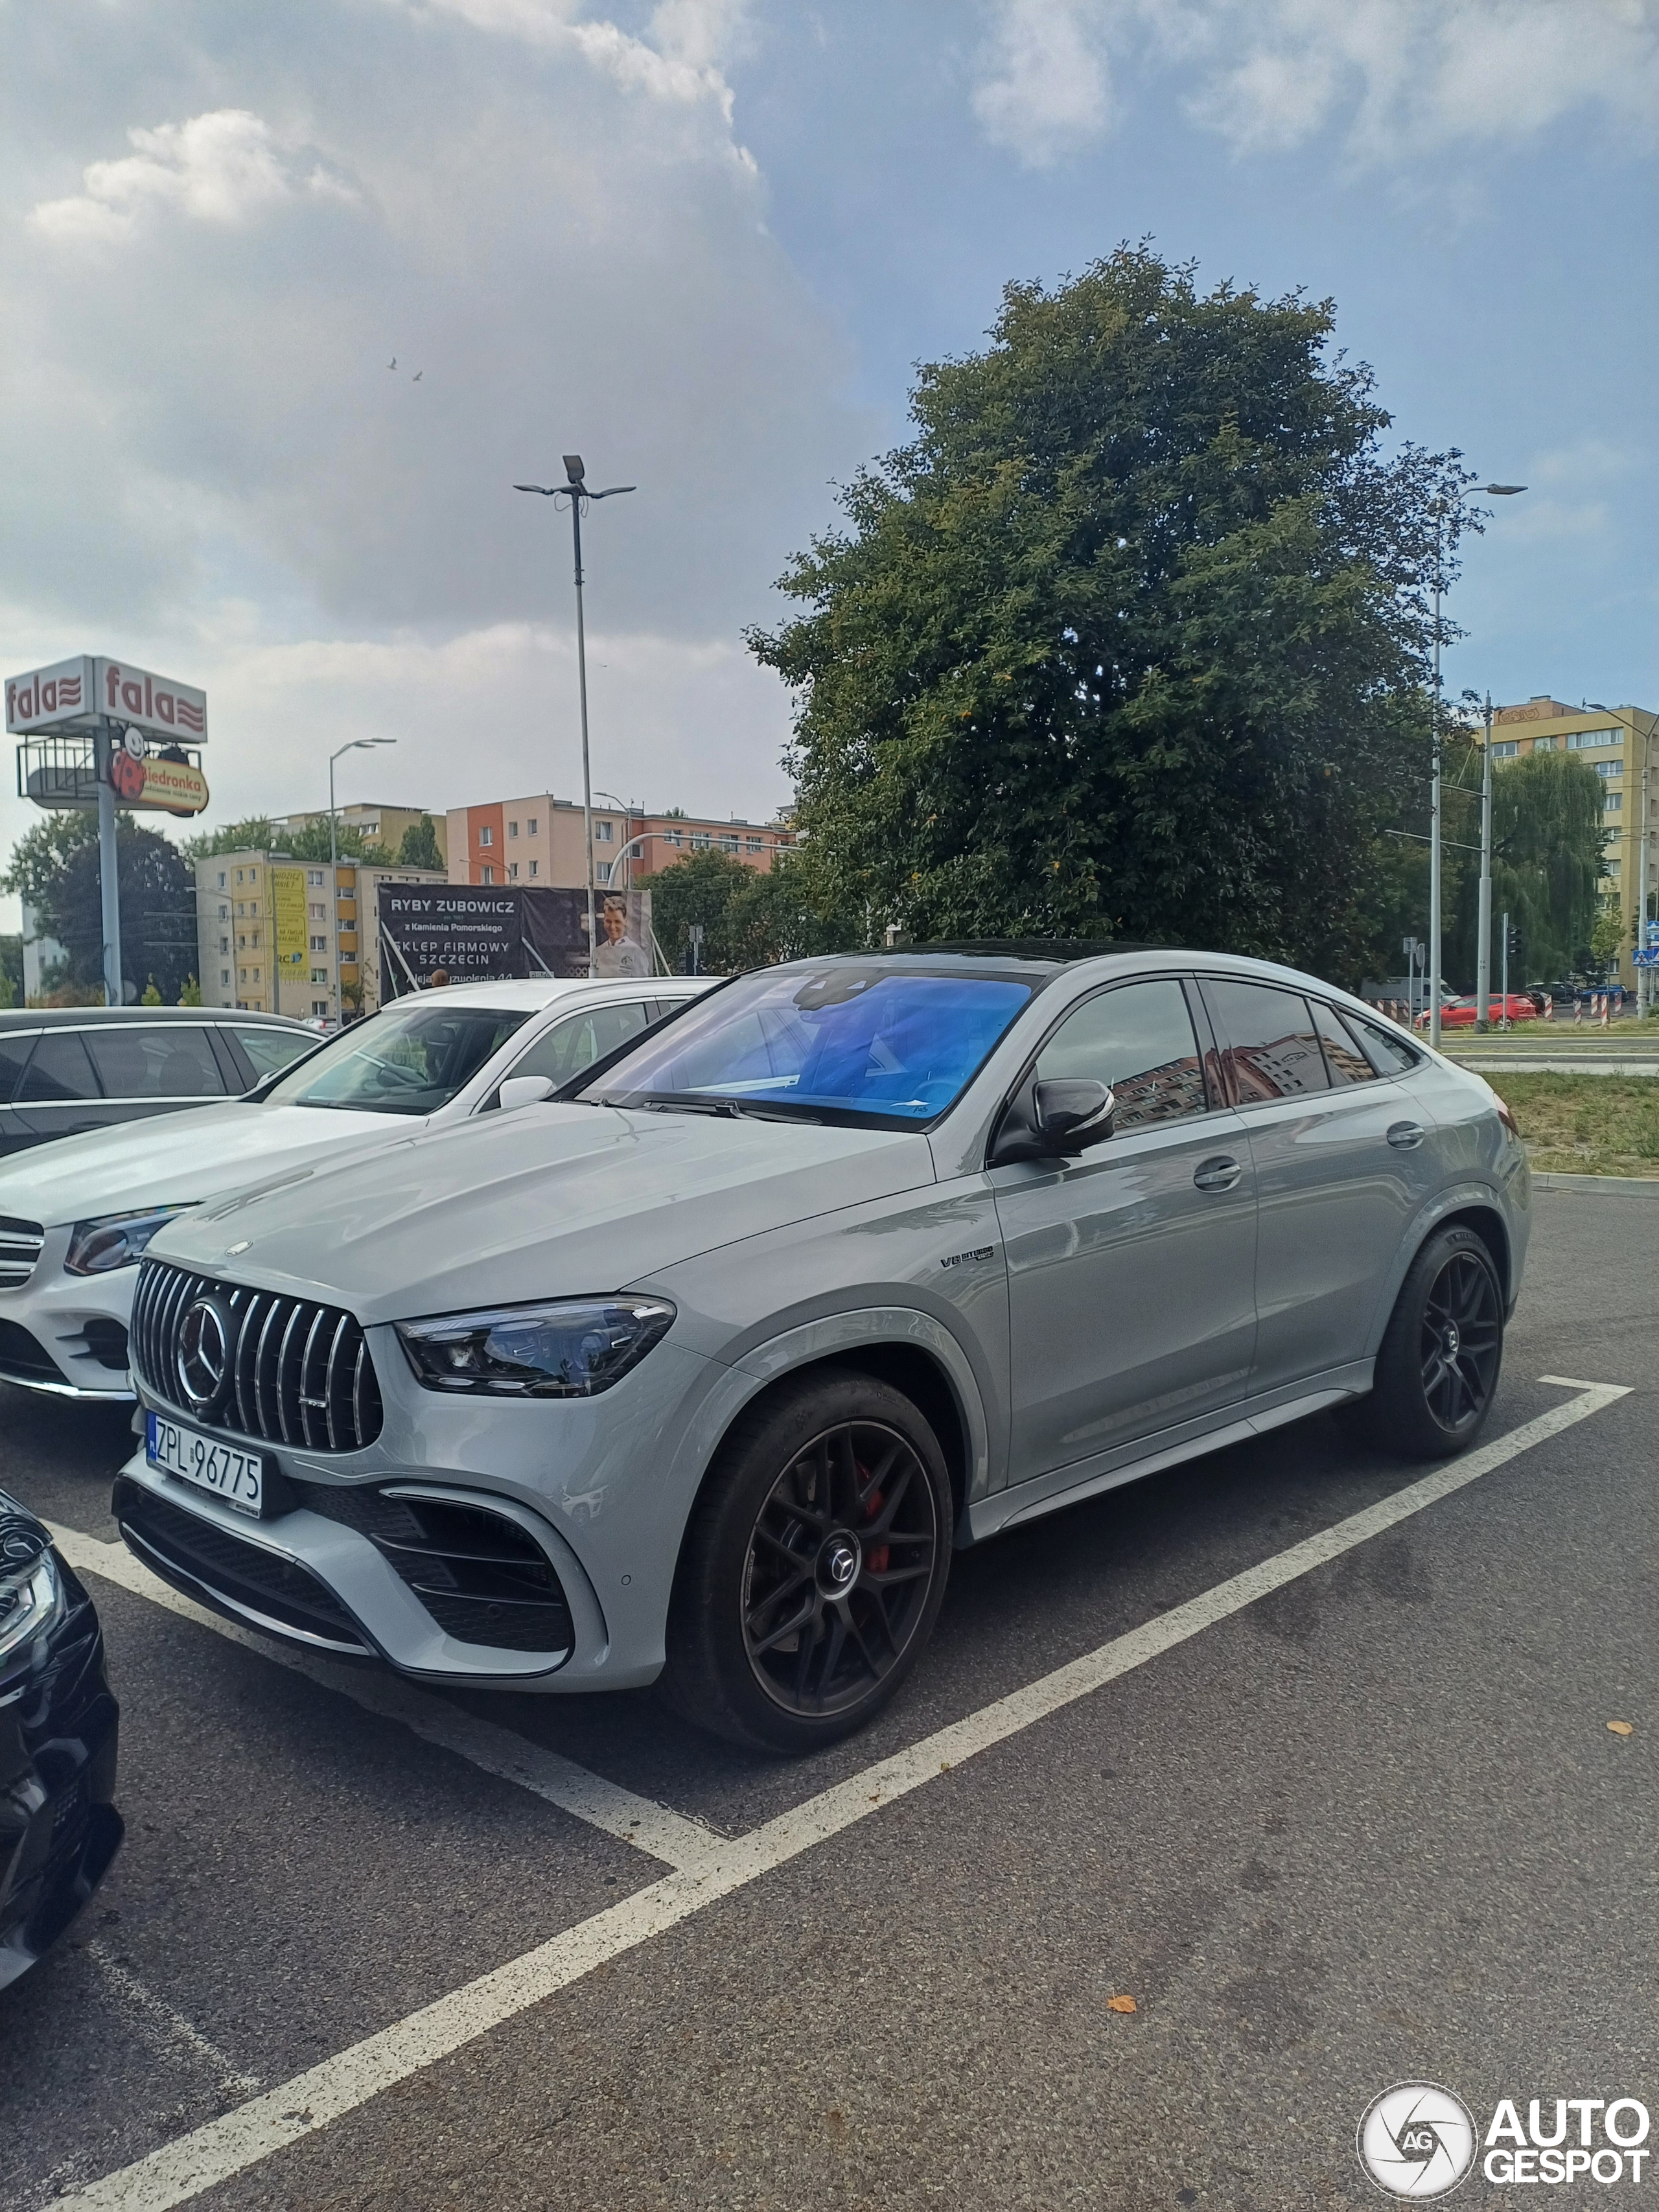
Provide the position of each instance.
(167, 2029)
(237, 2140)
(661, 1834)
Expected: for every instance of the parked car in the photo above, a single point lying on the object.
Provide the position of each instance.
(699, 1371)
(68, 1069)
(75, 1217)
(58, 1724)
(1463, 1013)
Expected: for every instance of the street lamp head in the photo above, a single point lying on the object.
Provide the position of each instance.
(572, 467)
(1502, 491)
(546, 490)
(613, 491)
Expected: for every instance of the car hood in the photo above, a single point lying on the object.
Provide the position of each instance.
(176, 1159)
(549, 1201)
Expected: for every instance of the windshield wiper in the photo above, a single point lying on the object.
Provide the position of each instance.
(731, 1110)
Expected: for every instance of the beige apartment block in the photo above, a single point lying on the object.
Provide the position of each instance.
(378, 825)
(1619, 744)
(267, 927)
(538, 840)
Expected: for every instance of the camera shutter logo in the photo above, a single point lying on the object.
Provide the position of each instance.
(1417, 2140)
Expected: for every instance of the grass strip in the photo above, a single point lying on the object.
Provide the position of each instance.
(1584, 1124)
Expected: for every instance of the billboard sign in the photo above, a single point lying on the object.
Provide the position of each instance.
(150, 780)
(76, 692)
(47, 696)
(474, 931)
(287, 899)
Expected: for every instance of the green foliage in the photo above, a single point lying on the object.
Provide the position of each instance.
(11, 972)
(1547, 858)
(40, 854)
(192, 994)
(749, 918)
(1607, 939)
(1130, 640)
(149, 996)
(419, 846)
(252, 835)
(158, 913)
(311, 843)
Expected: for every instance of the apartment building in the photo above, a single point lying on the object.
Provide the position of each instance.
(539, 840)
(268, 928)
(377, 825)
(1619, 744)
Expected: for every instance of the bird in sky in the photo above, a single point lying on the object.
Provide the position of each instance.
(418, 374)
(393, 363)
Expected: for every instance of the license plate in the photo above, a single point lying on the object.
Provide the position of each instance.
(238, 1477)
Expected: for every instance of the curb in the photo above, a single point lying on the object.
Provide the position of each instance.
(1543, 1179)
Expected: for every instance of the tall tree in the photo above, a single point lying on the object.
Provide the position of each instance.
(1131, 639)
(749, 917)
(418, 848)
(158, 913)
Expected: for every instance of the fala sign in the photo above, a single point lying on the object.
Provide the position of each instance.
(74, 694)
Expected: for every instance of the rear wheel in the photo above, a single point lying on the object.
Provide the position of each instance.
(1437, 1370)
(814, 1567)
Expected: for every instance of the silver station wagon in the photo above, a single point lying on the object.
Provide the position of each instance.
(699, 1371)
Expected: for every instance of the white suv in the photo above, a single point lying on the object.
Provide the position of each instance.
(75, 1216)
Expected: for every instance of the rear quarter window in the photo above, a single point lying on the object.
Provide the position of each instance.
(171, 1061)
(271, 1049)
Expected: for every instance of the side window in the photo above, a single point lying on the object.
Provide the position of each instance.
(1344, 1061)
(59, 1070)
(580, 1039)
(270, 1050)
(1268, 1038)
(169, 1061)
(1388, 1054)
(14, 1052)
(1138, 1039)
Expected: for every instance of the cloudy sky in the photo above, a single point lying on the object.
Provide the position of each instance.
(702, 242)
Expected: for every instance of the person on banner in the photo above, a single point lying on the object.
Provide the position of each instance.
(619, 954)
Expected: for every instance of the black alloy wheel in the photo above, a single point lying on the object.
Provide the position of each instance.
(840, 1565)
(1436, 1372)
(813, 1568)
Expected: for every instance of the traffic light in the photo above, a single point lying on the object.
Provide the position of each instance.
(1512, 942)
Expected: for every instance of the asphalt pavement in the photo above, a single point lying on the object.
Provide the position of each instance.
(1369, 1827)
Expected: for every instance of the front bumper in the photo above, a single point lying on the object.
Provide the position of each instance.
(66, 1335)
(599, 1487)
(58, 1826)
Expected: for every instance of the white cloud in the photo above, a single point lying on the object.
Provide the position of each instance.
(223, 167)
(1046, 91)
(1400, 80)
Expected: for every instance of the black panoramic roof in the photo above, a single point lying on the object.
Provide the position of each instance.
(78, 1017)
(1048, 954)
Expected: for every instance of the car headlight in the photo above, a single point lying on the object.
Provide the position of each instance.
(31, 1600)
(565, 1348)
(115, 1240)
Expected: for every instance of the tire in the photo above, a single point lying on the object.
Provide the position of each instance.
(1437, 1370)
(789, 1627)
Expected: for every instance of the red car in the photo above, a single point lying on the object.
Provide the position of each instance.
(1462, 1013)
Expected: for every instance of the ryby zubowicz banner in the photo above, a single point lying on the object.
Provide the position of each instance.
(470, 929)
(79, 691)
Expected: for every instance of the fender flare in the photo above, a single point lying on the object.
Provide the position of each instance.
(1457, 1198)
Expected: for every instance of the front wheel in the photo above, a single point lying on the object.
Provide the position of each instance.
(1436, 1372)
(814, 1566)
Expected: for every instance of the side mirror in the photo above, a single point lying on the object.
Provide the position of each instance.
(525, 1090)
(1073, 1112)
(1052, 1120)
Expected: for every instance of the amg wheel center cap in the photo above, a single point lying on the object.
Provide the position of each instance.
(839, 1562)
(1453, 1339)
(203, 1357)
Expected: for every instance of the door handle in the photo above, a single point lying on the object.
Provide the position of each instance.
(1405, 1135)
(1220, 1173)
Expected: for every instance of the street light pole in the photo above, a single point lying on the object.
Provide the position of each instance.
(575, 489)
(355, 745)
(1440, 509)
(1483, 919)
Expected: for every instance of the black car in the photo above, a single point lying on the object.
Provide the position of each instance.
(59, 1826)
(70, 1068)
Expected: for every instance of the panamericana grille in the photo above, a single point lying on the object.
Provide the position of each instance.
(19, 1248)
(294, 1373)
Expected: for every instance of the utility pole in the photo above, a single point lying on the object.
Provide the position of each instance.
(354, 744)
(1503, 1018)
(109, 884)
(1483, 924)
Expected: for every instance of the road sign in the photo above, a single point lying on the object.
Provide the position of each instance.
(1650, 958)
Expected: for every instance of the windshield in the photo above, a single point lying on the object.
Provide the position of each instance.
(412, 1059)
(868, 1045)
